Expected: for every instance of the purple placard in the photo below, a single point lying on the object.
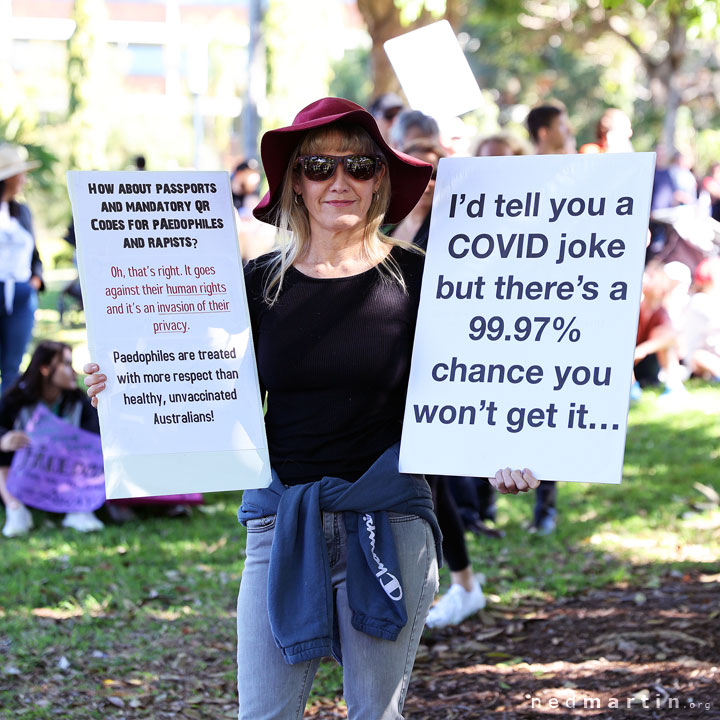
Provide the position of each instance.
(61, 470)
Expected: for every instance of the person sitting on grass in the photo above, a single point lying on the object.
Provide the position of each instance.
(51, 380)
(656, 349)
(700, 322)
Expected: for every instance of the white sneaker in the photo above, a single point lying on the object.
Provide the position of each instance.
(18, 521)
(457, 604)
(82, 522)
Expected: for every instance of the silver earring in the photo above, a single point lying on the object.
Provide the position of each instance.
(298, 199)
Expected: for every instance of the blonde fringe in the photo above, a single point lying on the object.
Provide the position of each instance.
(293, 223)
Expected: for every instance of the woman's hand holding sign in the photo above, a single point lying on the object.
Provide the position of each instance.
(13, 440)
(512, 482)
(95, 382)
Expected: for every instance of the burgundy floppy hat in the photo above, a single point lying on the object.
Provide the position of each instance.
(408, 175)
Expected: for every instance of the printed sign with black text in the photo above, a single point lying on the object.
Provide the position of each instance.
(528, 317)
(168, 323)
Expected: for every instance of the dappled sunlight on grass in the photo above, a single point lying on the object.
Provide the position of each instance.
(660, 516)
(657, 546)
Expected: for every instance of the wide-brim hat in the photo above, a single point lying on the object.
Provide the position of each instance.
(408, 175)
(14, 160)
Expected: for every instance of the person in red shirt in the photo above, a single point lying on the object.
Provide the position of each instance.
(656, 348)
(613, 133)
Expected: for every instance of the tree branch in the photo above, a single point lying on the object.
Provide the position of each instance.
(644, 56)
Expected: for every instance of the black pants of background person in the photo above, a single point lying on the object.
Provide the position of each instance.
(545, 501)
(451, 524)
(475, 500)
(647, 371)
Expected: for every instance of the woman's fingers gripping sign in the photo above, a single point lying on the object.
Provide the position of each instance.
(512, 482)
(95, 381)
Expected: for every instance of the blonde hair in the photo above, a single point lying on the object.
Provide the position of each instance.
(293, 222)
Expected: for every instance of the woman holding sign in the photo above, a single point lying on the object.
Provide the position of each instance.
(49, 380)
(341, 552)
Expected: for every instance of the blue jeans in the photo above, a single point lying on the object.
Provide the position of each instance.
(15, 331)
(376, 672)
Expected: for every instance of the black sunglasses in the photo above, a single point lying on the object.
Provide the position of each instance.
(322, 167)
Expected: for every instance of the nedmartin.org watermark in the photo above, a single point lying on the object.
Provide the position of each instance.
(636, 702)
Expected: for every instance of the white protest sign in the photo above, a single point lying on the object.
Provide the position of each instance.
(168, 324)
(433, 71)
(528, 317)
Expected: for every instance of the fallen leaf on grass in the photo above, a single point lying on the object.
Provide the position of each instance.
(116, 701)
(619, 640)
(54, 614)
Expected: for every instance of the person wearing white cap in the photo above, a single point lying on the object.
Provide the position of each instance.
(20, 266)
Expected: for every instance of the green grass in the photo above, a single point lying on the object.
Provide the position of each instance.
(126, 608)
(654, 522)
(144, 613)
(147, 609)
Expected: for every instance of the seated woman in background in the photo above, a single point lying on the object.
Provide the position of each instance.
(51, 380)
(700, 322)
(656, 348)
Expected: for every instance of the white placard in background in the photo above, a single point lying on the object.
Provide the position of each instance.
(433, 71)
(168, 323)
(528, 317)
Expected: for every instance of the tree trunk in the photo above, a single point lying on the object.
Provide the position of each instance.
(669, 121)
(664, 82)
(382, 18)
(677, 38)
(255, 88)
